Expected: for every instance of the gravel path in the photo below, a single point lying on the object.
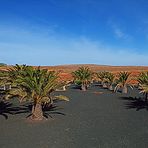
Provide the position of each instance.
(96, 118)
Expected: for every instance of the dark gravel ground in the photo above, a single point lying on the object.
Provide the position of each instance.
(96, 118)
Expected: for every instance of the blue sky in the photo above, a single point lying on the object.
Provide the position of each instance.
(55, 32)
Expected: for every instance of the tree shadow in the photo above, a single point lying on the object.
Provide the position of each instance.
(96, 84)
(76, 87)
(7, 108)
(105, 88)
(135, 103)
(48, 110)
(52, 110)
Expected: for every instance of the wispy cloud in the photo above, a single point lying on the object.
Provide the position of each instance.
(118, 31)
(144, 28)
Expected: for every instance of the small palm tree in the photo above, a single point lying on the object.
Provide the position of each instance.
(37, 86)
(110, 80)
(102, 77)
(83, 75)
(122, 82)
(143, 84)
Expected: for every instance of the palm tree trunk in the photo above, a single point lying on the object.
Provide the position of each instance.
(124, 90)
(10, 87)
(83, 87)
(4, 87)
(115, 89)
(37, 112)
(111, 87)
(104, 85)
(64, 87)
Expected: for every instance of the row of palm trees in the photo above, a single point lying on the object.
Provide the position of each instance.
(108, 80)
(37, 85)
(84, 76)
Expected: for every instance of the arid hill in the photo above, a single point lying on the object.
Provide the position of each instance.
(93, 67)
(70, 68)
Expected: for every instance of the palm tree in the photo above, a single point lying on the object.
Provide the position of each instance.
(143, 84)
(122, 81)
(102, 76)
(110, 80)
(83, 75)
(37, 86)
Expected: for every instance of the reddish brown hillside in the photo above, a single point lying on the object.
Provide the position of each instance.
(70, 68)
(66, 70)
(93, 67)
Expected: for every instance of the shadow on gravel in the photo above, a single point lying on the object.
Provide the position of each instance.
(76, 87)
(48, 111)
(7, 109)
(135, 103)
